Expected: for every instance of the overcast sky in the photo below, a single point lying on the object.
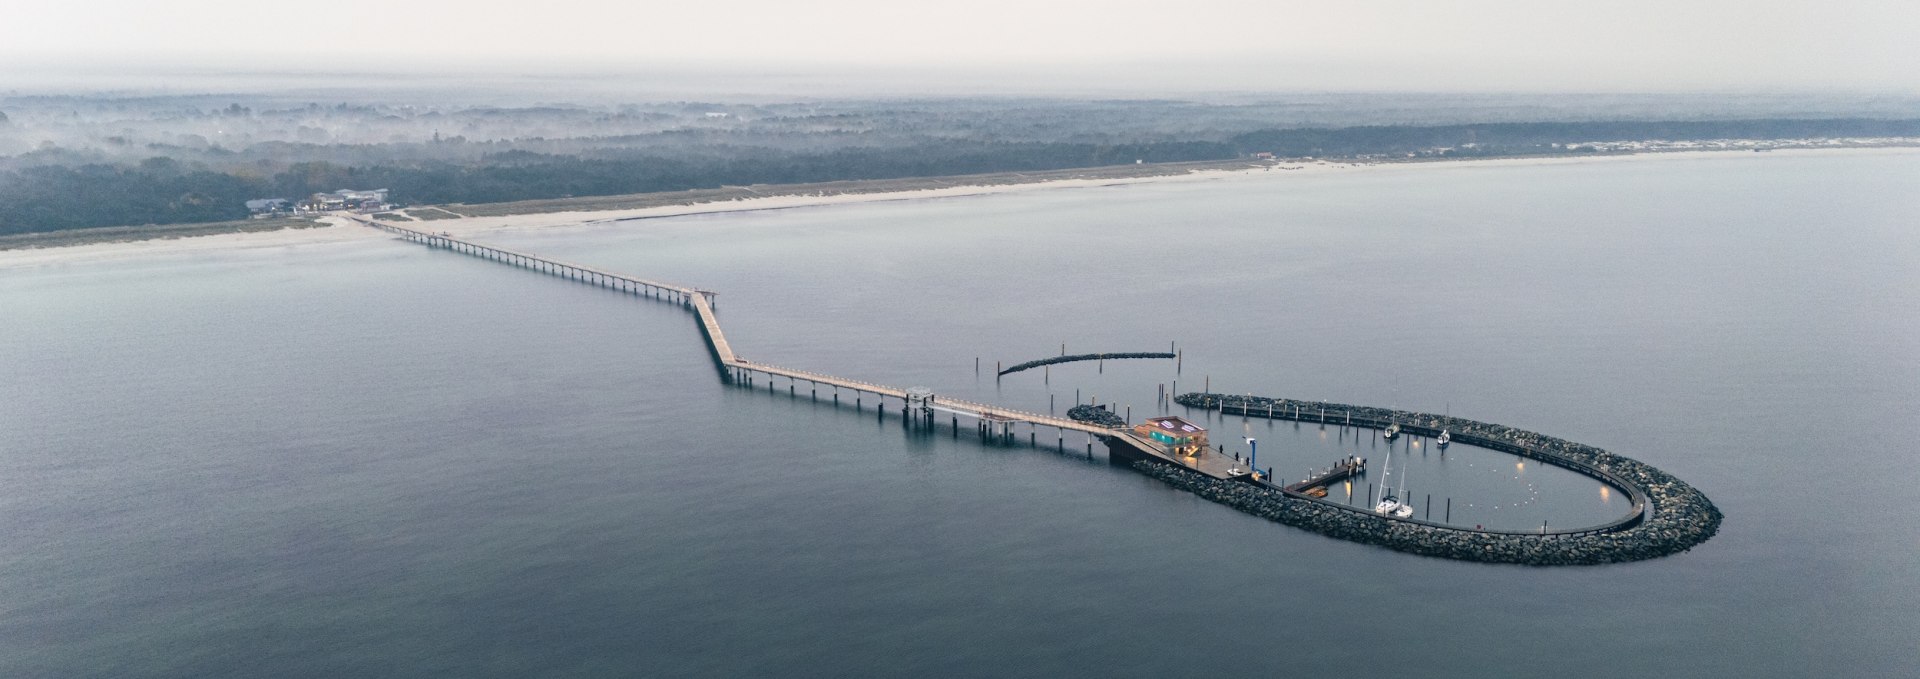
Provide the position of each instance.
(1480, 45)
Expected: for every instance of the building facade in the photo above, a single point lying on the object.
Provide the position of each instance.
(1178, 435)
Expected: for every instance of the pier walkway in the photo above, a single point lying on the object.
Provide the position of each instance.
(989, 419)
(1667, 516)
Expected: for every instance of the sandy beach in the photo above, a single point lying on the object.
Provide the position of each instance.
(340, 230)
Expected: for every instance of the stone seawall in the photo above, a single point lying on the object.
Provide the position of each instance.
(1677, 518)
(1029, 365)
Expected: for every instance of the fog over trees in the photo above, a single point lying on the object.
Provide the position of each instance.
(79, 160)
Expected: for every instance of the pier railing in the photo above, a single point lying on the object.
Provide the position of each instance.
(699, 302)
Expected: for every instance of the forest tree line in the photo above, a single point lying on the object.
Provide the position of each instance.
(161, 190)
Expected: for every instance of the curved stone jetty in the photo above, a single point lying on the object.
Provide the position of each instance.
(1099, 415)
(1674, 518)
(1029, 365)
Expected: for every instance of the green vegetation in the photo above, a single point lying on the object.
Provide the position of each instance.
(44, 191)
(118, 234)
(697, 196)
(428, 214)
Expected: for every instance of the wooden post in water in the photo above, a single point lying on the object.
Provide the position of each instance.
(1449, 518)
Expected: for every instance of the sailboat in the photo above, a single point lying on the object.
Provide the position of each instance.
(1405, 509)
(1391, 431)
(1445, 437)
(1388, 503)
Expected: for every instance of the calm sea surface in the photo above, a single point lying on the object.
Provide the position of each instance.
(374, 459)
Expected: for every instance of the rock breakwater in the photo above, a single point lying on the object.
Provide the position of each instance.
(1029, 365)
(1096, 415)
(1676, 516)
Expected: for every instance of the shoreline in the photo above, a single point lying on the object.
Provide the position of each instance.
(340, 230)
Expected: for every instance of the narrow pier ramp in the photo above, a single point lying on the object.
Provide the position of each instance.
(734, 368)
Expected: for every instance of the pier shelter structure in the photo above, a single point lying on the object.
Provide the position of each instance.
(1178, 435)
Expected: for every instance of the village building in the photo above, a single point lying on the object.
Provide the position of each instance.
(1178, 435)
(347, 199)
(269, 207)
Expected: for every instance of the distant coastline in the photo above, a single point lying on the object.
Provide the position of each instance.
(460, 219)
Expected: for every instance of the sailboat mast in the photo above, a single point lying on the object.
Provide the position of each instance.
(1386, 476)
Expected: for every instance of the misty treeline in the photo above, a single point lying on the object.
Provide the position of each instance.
(164, 191)
(81, 162)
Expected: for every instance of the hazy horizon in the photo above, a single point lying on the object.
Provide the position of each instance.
(1072, 48)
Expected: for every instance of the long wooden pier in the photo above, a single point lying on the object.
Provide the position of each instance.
(990, 420)
(1685, 519)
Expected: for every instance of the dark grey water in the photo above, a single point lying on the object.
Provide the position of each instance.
(375, 459)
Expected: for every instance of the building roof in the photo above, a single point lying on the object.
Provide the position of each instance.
(1175, 424)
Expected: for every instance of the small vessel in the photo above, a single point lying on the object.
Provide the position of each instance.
(1445, 438)
(1388, 503)
(1392, 431)
(1406, 507)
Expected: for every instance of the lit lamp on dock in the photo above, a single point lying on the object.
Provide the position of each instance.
(1177, 434)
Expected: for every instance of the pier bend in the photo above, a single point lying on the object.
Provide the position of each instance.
(916, 405)
(1668, 515)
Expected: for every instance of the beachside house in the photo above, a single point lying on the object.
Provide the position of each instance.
(347, 199)
(269, 207)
